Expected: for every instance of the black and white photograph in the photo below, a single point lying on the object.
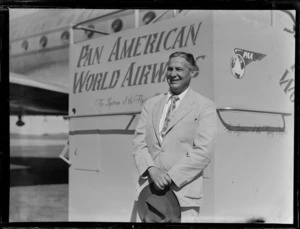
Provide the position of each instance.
(152, 115)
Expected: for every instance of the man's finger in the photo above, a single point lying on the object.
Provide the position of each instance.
(168, 179)
(161, 184)
(157, 186)
(165, 182)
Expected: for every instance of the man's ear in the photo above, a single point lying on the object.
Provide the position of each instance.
(194, 73)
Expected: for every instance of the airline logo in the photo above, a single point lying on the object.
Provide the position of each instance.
(241, 59)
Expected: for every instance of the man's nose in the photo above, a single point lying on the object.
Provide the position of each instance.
(173, 73)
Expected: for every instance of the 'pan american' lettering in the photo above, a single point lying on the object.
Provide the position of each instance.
(152, 43)
(89, 56)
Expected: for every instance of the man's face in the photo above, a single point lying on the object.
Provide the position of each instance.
(179, 74)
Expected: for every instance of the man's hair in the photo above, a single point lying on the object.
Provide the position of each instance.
(188, 57)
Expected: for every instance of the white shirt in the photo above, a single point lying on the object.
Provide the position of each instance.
(168, 103)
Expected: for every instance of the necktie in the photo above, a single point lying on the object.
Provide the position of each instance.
(169, 114)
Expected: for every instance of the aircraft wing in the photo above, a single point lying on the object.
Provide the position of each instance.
(28, 97)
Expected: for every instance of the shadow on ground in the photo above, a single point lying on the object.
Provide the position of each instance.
(38, 171)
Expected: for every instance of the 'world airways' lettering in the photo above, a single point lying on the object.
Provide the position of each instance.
(288, 83)
(86, 81)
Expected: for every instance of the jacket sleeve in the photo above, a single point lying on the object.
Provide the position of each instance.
(199, 156)
(141, 155)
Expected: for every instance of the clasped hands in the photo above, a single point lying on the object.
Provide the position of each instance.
(160, 178)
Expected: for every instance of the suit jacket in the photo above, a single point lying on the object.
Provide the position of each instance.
(185, 150)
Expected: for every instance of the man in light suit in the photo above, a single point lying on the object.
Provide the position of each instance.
(174, 138)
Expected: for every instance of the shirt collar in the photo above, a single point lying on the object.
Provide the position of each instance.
(180, 96)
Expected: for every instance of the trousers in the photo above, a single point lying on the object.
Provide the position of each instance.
(189, 214)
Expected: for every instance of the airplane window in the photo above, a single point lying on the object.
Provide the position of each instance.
(117, 25)
(65, 36)
(25, 45)
(89, 34)
(148, 17)
(43, 41)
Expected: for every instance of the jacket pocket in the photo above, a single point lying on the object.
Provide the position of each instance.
(194, 189)
(187, 131)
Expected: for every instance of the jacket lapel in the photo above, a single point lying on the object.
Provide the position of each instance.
(186, 105)
(156, 114)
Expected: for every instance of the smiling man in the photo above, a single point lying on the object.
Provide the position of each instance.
(174, 138)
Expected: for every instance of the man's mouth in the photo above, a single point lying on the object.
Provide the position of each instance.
(174, 80)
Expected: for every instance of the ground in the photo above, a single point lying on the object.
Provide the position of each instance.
(38, 178)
